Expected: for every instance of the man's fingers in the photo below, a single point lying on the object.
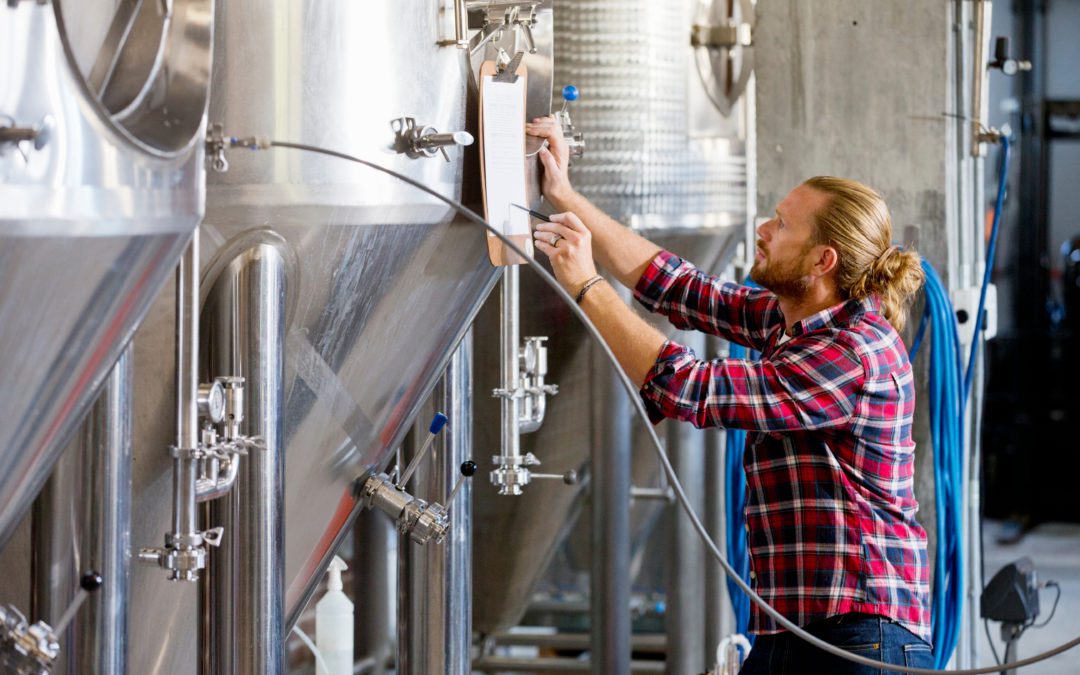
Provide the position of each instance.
(571, 221)
(550, 163)
(547, 229)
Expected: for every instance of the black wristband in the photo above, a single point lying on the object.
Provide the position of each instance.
(585, 289)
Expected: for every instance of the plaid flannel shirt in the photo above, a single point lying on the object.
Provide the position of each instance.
(829, 459)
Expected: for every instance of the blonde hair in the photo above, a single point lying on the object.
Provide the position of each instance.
(857, 224)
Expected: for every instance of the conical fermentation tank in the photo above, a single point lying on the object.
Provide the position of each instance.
(379, 280)
(101, 184)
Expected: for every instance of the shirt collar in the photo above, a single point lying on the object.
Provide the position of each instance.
(840, 314)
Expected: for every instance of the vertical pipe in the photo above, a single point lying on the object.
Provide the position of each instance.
(83, 518)
(718, 618)
(101, 637)
(55, 556)
(685, 616)
(436, 633)
(249, 340)
(509, 339)
(609, 582)
(371, 589)
(187, 386)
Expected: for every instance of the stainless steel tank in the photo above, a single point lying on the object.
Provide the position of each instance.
(659, 158)
(95, 207)
(382, 280)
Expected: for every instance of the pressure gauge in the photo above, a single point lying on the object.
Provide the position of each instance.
(212, 401)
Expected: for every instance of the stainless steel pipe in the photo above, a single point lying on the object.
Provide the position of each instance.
(435, 633)
(609, 583)
(243, 602)
(685, 614)
(509, 341)
(185, 528)
(82, 521)
(719, 620)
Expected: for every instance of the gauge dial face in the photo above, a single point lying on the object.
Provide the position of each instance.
(145, 62)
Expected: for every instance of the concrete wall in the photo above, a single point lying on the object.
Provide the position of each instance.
(858, 89)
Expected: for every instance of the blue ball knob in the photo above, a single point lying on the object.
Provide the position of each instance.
(570, 93)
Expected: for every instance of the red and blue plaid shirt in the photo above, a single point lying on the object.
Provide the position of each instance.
(829, 458)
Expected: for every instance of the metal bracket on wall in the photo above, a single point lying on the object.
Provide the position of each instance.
(721, 43)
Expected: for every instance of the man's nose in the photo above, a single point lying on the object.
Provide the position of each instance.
(763, 230)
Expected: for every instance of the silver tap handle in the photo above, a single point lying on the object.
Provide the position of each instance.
(526, 32)
(90, 582)
(570, 477)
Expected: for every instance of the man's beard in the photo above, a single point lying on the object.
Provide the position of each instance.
(786, 279)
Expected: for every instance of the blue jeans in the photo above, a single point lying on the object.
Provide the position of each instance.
(866, 635)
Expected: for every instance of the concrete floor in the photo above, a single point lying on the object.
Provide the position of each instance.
(1055, 550)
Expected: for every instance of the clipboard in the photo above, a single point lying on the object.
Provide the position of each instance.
(499, 254)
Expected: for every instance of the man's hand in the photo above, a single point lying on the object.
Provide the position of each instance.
(568, 245)
(556, 159)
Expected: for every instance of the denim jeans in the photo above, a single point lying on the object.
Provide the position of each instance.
(866, 635)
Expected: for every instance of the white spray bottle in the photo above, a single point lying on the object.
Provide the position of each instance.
(334, 624)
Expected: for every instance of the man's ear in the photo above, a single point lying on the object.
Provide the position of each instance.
(826, 261)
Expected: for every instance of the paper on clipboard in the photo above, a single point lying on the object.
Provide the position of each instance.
(504, 155)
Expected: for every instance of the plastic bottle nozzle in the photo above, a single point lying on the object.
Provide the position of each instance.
(333, 574)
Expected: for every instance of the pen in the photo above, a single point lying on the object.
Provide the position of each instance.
(534, 214)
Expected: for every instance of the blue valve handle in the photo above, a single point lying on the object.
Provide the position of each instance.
(437, 423)
(570, 93)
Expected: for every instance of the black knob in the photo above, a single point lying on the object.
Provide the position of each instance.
(468, 468)
(570, 477)
(1001, 50)
(91, 581)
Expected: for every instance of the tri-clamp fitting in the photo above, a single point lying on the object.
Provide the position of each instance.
(27, 649)
(413, 516)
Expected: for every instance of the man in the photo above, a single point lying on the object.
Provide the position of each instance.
(833, 540)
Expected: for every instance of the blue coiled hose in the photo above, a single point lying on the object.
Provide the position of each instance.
(950, 386)
(735, 501)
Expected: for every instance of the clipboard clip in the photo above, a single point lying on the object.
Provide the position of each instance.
(506, 68)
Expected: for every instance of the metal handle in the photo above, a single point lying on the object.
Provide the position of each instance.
(468, 469)
(569, 477)
(437, 424)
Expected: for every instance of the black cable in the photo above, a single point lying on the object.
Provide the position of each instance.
(1053, 609)
(639, 407)
(993, 647)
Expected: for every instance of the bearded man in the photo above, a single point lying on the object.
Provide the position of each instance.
(833, 540)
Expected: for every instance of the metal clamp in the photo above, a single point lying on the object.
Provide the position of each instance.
(215, 148)
(27, 648)
(425, 141)
(723, 36)
(183, 557)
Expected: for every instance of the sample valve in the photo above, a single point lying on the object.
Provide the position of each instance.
(575, 140)
(32, 649)
(425, 141)
(422, 521)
